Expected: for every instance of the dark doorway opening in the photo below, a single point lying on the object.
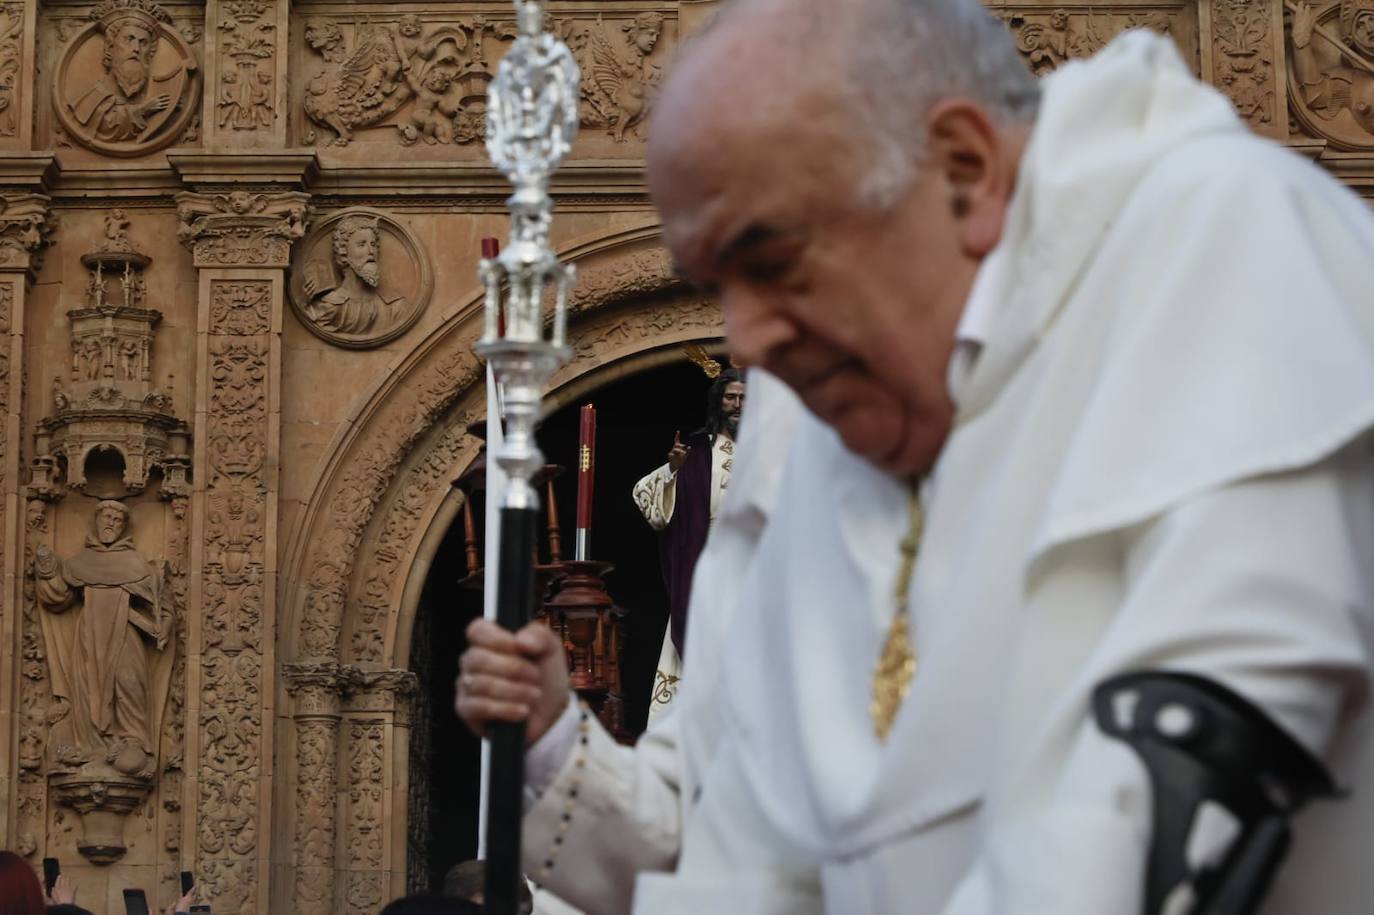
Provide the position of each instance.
(636, 419)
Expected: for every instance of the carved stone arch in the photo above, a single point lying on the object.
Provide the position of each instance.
(408, 433)
(357, 560)
(643, 340)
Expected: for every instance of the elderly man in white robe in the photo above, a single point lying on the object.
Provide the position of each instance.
(1091, 383)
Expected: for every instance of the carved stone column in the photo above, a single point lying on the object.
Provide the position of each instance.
(18, 69)
(25, 227)
(240, 237)
(316, 688)
(1243, 56)
(245, 73)
(377, 731)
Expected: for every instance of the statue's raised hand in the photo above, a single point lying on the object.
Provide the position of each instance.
(677, 455)
(1304, 18)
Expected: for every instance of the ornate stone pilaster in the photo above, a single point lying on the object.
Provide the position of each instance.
(316, 688)
(1243, 56)
(240, 237)
(25, 228)
(245, 73)
(377, 728)
(18, 27)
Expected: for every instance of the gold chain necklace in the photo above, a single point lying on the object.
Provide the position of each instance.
(897, 663)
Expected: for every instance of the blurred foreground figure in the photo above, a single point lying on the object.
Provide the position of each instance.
(1090, 379)
(1090, 376)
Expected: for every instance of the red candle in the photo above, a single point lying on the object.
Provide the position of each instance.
(586, 477)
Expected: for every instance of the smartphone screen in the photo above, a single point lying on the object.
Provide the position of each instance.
(198, 909)
(135, 902)
(50, 871)
(188, 880)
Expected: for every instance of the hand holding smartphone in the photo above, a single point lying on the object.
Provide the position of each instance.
(135, 902)
(51, 870)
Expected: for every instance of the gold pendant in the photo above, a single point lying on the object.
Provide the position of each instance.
(892, 676)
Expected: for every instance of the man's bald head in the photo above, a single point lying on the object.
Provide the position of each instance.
(834, 179)
(871, 72)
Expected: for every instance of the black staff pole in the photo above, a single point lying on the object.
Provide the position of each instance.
(532, 117)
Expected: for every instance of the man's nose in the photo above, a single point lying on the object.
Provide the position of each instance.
(754, 325)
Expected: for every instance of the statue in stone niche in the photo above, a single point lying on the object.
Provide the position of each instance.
(92, 359)
(353, 305)
(116, 232)
(107, 624)
(1335, 67)
(131, 360)
(117, 107)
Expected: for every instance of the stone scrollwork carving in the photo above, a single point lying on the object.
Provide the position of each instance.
(437, 74)
(316, 791)
(1331, 70)
(366, 765)
(247, 82)
(360, 279)
(34, 691)
(1244, 55)
(1047, 38)
(11, 61)
(419, 81)
(128, 82)
(108, 625)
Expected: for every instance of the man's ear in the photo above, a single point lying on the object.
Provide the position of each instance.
(966, 149)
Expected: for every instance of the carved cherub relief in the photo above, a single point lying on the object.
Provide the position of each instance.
(436, 73)
(128, 82)
(618, 75)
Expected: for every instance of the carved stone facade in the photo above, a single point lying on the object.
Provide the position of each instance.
(238, 242)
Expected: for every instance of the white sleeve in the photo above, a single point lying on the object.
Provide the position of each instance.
(609, 813)
(654, 496)
(549, 753)
(1264, 585)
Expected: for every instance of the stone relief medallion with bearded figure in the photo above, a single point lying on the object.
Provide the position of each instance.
(359, 279)
(1331, 70)
(128, 83)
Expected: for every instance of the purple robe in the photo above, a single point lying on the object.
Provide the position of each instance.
(685, 536)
